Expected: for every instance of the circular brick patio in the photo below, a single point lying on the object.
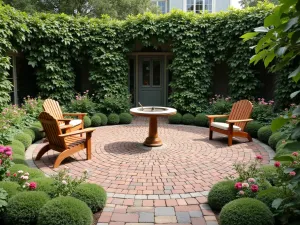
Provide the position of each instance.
(180, 172)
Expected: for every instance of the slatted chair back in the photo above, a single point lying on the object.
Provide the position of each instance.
(241, 110)
(52, 130)
(52, 107)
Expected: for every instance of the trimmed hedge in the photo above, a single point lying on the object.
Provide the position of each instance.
(175, 119)
(269, 195)
(38, 133)
(30, 132)
(221, 119)
(37, 124)
(221, 193)
(92, 194)
(96, 121)
(113, 119)
(19, 159)
(23, 208)
(65, 210)
(201, 120)
(274, 139)
(246, 211)
(45, 184)
(264, 133)
(252, 128)
(16, 149)
(24, 138)
(125, 118)
(10, 187)
(103, 117)
(188, 119)
(87, 122)
(18, 144)
(33, 173)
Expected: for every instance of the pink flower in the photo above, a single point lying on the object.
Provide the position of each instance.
(8, 153)
(251, 180)
(241, 192)
(295, 154)
(277, 164)
(32, 185)
(245, 185)
(254, 188)
(259, 157)
(294, 116)
(292, 173)
(238, 185)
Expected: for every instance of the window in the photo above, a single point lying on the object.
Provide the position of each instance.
(162, 4)
(199, 6)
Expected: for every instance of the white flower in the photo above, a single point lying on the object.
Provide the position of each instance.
(20, 171)
(66, 168)
(64, 182)
(27, 184)
(26, 174)
(24, 177)
(245, 185)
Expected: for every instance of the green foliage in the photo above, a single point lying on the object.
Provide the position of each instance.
(103, 117)
(45, 184)
(33, 106)
(82, 103)
(65, 210)
(246, 211)
(263, 111)
(188, 119)
(10, 187)
(221, 193)
(274, 139)
(3, 198)
(269, 172)
(24, 138)
(17, 150)
(220, 105)
(269, 195)
(33, 173)
(221, 119)
(175, 119)
(251, 3)
(30, 132)
(19, 159)
(37, 124)
(23, 208)
(96, 121)
(264, 134)
(18, 144)
(115, 103)
(125, 118)
(38, 133)
(253, 127)
(92, 194)
(201, 120)
(113, 119)
(87, 122)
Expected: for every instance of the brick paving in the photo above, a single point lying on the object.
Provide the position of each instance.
(164, 185)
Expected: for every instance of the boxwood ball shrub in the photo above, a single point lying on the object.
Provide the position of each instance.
(38, 133)
(65, 210)
(252, 128)
(221, 193)
(113, 119)
(30, 132)
(87, 122)
(45, 184)
(19, 159)
(23, 208)
(37, 124)
(246, 211)
(103, 117)
(96, 121)
(264, 133)
(269, 195)
(33, 173)
(125, 118)
(175, 119)
(201, 120)
(274, 139)
(16, 149)
(24, 138)
(10, 187)
(18, 144)
(92, 194)
(188, 119)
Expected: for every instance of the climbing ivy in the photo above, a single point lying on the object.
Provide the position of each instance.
(53, 44)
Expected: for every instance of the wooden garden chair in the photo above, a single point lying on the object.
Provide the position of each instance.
(52, 107)
(236, 123)
(67, 144)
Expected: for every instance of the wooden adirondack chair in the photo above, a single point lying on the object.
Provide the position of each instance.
(67, 144)
(52, 107)
(236, 123)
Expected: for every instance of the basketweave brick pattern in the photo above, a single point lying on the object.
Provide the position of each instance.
(164, 185)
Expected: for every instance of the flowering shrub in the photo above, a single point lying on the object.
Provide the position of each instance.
(22, 178)
(33, 106)
(82, 103)
(220, 105)
(65, 184)
(263, 111)
(5, 161)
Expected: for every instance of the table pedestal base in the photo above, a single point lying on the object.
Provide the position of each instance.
(153, 140)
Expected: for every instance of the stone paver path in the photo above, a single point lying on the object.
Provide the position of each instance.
(164, 185)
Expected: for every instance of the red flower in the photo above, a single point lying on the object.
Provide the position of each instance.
(14, 174)
(238, 185)
(277, 164)
(32, 185)
(259, 157)
(254, 188)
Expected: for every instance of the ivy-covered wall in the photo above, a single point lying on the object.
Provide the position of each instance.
(53, 44)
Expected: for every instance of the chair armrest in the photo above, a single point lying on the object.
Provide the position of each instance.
(216, 116)
(88, 130)
(238, 121)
